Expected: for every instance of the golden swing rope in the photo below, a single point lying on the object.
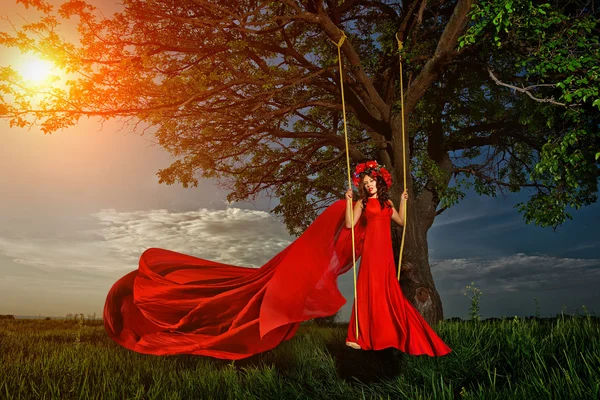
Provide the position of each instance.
(404, 161)
(403, 155)
(339, 47)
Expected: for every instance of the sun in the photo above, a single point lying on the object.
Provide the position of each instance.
(35, 70)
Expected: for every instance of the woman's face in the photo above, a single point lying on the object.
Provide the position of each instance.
(370, 185)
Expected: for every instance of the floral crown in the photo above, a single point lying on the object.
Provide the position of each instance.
(373, 169)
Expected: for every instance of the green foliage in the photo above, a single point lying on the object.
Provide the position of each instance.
(496, 18)
(474, 294)
(556, 56)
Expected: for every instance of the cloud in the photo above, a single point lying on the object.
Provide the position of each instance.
(82, 255)
(55, 275)
(457, 218)
(233, 236)
(583, 246)
(516, 272)
(497, 227)
(439, 222)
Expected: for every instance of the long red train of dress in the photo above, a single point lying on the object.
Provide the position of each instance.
(179, 304)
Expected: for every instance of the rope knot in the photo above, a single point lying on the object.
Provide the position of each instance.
(400, 45)
(342, 38)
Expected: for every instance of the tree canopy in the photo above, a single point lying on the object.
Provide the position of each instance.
(550, 53)
(500, 94)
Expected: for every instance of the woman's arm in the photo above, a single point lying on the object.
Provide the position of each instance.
(398, 216)
(357, 210)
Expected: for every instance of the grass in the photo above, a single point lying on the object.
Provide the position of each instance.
(514, 358)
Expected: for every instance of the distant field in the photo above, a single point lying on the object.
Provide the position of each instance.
(503, 359)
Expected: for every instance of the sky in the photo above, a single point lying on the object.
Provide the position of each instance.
(79, 206)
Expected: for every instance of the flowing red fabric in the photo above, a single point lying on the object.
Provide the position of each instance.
(179, 304)
(385, 317)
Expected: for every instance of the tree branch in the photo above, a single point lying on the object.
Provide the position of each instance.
(487, 179)
(526, 90)
(443, 53)
(375, 104)
(497, 129)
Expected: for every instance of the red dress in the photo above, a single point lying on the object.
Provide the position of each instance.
(179, 304)
(385, 317)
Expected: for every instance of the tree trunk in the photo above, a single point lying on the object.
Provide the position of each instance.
(415, 277)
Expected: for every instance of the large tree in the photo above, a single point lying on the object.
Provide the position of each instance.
(499, 94)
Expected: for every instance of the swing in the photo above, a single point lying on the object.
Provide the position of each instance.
(339, 46)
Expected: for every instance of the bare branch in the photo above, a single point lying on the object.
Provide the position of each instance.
(526, 90)
(487, 179)
(441, 210)
(497, 129)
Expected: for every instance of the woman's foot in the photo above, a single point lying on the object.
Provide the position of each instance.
(353, 345)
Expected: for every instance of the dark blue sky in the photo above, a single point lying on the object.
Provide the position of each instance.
(514, 262)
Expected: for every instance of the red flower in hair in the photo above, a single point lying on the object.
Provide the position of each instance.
(386, 176)
(373, 169)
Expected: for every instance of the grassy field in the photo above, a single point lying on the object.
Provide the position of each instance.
(514, 358)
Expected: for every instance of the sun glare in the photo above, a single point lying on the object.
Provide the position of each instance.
(36, 70)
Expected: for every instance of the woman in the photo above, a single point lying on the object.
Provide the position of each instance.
(385, 317)
(179, 304)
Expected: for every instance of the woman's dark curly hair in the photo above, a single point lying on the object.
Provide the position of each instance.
(383, 194)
